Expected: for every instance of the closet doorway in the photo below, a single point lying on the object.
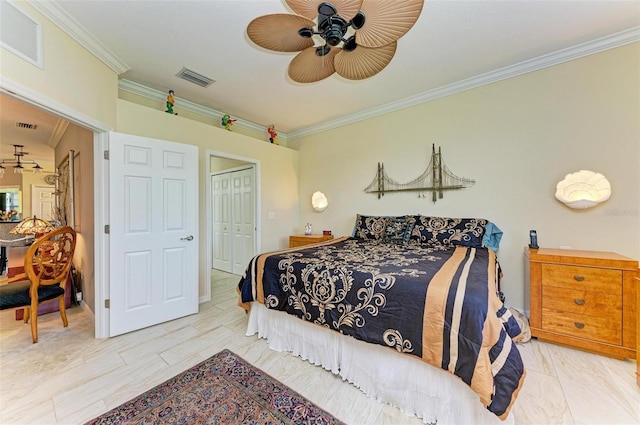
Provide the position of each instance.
(233, 207)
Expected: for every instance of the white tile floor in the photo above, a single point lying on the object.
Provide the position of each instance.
(69, 377)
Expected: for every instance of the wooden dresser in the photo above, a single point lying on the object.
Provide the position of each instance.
(638, 327)
(301, 240)
(584, 299)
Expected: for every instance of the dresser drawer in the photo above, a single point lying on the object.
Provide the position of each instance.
(606, 329)
(302, 240)
(582, 278)
(581, 302)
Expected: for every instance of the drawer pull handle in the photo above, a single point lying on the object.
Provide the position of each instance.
(578, 277)
(579, 325)
(579, 301)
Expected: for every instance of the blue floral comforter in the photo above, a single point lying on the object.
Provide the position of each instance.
(436, 303)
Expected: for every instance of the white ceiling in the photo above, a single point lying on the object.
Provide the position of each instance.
(453, 45)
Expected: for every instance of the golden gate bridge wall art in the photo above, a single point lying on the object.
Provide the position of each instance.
(436, 178)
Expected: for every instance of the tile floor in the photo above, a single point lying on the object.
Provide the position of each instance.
(69, 377)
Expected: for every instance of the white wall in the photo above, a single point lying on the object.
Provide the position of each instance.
(517, 138)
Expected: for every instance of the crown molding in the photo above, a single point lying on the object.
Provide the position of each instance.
(157, 95)
(58, 16)
(612, 41)
(58, 132)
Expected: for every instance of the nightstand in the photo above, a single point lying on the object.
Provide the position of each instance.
(584, 299)
(301, 240)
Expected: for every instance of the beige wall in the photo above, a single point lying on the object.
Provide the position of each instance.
(278, 169)
(184, 113)
(517, 138)
(72, 76)
(80, 141)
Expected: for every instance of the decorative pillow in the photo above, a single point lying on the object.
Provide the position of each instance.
(398, 230)
(449, 231)
(370, 227)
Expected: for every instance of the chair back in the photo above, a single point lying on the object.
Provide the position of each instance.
(49, 258)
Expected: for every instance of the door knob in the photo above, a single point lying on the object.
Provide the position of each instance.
(188, 238)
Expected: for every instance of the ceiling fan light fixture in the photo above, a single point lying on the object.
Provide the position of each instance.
(350, 44)
(358, 21)
(306, 32)
(309, 8)
(343, 26)
(18, 159)
(322, 50)
(327, 9)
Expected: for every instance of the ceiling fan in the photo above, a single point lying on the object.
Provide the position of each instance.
(355, 38)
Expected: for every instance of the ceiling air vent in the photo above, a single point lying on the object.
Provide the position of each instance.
(26, 125)
(194, 77)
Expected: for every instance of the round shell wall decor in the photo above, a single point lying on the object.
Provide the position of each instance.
(583, 189)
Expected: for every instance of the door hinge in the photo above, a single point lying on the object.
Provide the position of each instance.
(107, 303)
(107, 229)
(106, 154)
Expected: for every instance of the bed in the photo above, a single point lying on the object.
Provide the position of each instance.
(385, 305)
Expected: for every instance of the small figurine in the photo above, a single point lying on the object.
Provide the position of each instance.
(273, 134)
(308, 229)
(170, 103)
(227, 122)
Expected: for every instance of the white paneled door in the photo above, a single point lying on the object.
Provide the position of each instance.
(234, 219)
(43, 202)
(221, 196)
(244, 223)
(153, 237)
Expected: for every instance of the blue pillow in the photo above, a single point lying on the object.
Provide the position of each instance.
(448, 231)
(398, 230)
(370, 227)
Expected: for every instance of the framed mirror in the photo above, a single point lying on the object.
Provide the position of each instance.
(10, 200)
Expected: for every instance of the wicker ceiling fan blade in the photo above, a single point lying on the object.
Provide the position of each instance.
(309, 8)
(308, 67)
(364, 62)
(387, 21)
(279, 32)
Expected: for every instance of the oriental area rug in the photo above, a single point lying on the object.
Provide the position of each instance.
(224, 389)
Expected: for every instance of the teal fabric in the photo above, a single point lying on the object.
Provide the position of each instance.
(492, 236)
(16, 294)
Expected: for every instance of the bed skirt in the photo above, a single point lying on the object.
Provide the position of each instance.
(400, 380)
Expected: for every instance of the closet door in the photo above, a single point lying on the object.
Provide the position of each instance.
(221, 208)
(243, 217)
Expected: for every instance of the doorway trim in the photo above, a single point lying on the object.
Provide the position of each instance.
(100, 132)
(209, 213)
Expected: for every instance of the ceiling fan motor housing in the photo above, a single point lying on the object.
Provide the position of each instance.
(332, 27)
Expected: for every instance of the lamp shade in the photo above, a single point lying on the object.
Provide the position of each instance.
(319, 201)
(32, 226)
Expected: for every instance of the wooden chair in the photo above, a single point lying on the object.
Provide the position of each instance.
(46, 264)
